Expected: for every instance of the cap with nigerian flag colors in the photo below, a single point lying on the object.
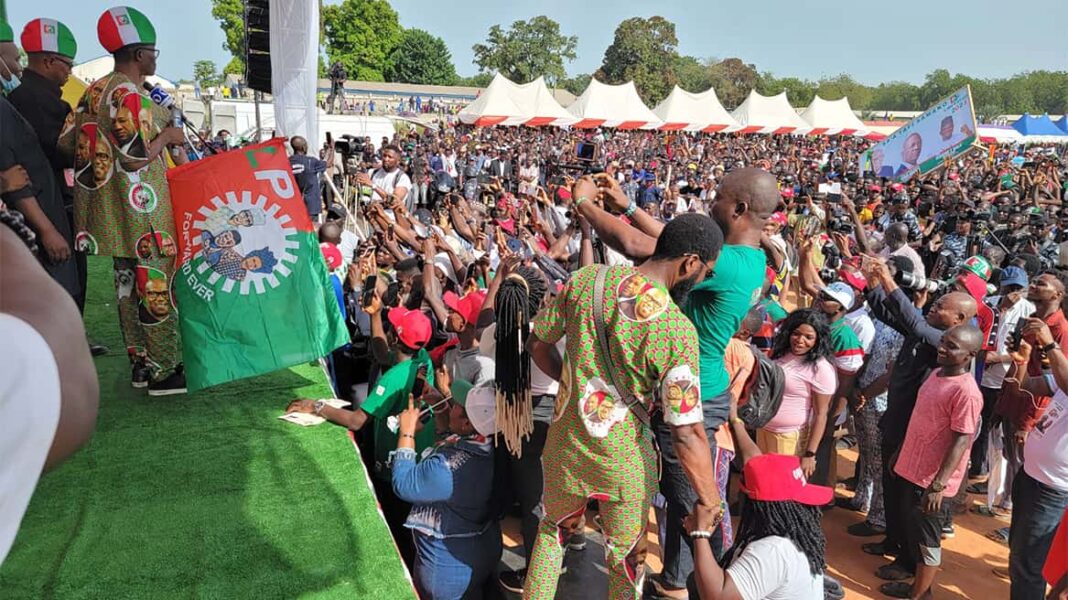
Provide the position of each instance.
(122, 26)
(49, 35)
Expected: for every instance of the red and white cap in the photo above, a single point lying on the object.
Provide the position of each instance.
(121, 26)
(412, 326)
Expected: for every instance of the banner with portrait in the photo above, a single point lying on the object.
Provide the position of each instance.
(250, 279)
(943, 132)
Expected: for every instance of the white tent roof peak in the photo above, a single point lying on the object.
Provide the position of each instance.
(769, 114)
(683, 110)
(604, 105)
(832, 117)
(504, 102)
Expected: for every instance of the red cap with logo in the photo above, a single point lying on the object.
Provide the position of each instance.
(778, 478)
(331, 254)
(468, 306)
(412, 326)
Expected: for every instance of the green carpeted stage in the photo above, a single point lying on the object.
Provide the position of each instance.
(202, 496)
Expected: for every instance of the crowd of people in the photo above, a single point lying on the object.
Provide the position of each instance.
(619, 307)
(580, 326)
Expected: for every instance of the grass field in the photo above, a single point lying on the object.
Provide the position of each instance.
(202, 496)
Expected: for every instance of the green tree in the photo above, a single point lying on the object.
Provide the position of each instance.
(895, 95)
(421, 58)
(733, 79)
(480, 80)
(577, 84)
(231, 17)
(362, 34)
(206, 74)
(642, 51)
(526, 51)
(692, 75)
(844, 86)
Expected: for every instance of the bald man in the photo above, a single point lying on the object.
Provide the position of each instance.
(933, 459)
(918, 356)
(306, 171)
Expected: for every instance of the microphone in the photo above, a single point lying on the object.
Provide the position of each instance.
(158, 95)
(165, 100)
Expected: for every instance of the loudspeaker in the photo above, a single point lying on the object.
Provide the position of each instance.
(258, 45)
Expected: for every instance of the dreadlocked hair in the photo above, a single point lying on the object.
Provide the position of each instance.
(794, 521)
(17, 223)
(518, 300)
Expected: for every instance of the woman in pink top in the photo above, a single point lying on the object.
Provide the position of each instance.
(803, 349)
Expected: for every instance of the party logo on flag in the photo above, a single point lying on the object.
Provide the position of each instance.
(251, 283)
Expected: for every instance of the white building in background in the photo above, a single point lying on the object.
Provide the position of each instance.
(91, 70)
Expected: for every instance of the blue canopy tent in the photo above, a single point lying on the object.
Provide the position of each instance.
(1039, 127)
(1062, 123)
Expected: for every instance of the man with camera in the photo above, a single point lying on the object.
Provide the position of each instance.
(914, 363)
(337, 86)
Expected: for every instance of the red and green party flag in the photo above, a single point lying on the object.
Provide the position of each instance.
(251, 283)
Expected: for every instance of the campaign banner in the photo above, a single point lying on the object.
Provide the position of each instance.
(943, 132)
(250, 281)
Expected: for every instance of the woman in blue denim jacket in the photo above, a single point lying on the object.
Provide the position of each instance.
(454, 524)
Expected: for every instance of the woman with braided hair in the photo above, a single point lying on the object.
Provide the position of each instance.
(526, 397)
(779, 548)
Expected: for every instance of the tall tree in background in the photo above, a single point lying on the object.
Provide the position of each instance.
(643, 51)
(526, 51)
(206, 74)
(421, 58)
(362, 34)
(231, 17)
(577, 84)
(733, 79)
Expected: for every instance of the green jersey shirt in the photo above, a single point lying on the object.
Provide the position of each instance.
(717, 306)
(390, 397)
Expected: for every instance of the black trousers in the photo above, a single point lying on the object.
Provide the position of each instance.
(523, 476)
(892, 493)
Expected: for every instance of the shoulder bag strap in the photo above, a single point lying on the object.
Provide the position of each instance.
(632, 403)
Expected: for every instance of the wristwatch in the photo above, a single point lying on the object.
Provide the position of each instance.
(808, 454)
(1050, 347)
(631, 209)
(319, 404)
(936, 486)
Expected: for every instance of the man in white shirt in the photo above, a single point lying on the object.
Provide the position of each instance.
(1040, 491)
(46, 413)
(896, 238)
(389, 183)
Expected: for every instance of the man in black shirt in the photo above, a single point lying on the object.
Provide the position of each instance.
(890, 305)
(306, 171)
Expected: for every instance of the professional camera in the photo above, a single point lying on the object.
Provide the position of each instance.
(349, 145)
(832, 256)
(915, 281)
(838, 224)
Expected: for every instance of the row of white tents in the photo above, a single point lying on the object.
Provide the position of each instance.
(504, 102)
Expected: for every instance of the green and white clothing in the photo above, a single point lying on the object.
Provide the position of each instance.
(388, 398)
(597, 447)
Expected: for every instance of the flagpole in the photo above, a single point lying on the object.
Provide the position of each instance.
(256, 100)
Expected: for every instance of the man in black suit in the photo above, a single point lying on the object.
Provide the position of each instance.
(502, 168)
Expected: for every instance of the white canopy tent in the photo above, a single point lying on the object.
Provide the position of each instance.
(832, 117)
(494, 106)
(686, 111)
(538, 106)
(505, 102)
(768, 114)
(618, 106)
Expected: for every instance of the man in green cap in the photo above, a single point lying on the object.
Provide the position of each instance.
(10, 69)
(118, 141)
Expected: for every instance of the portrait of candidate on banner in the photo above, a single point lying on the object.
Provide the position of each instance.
(944, 131)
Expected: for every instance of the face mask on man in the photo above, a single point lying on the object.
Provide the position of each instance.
(8, 80)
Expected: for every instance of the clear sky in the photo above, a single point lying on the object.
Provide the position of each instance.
(804, 38)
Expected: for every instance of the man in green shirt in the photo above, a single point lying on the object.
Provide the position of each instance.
(410, 333)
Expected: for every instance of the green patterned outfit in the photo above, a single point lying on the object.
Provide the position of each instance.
(122, 209)
(597, 448)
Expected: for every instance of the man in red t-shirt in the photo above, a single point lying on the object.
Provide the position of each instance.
(933, 459)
